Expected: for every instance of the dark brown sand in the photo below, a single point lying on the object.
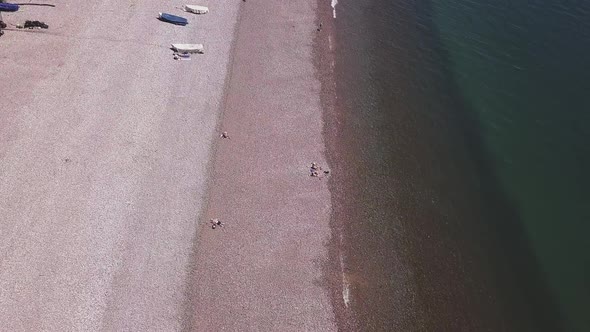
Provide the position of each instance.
(263, 270)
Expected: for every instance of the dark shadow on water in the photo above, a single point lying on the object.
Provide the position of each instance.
(509, 241)
(431, 243)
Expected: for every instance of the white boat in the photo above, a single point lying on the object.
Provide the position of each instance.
(196, 9)
(188, 48)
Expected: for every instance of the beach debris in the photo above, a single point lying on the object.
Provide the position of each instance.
(181, 56)
(169, 18)
(35, 24)
(196, 9)
(224, 135)
(35, 4)
(215, 223)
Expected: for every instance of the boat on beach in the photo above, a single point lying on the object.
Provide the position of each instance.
(196, 9)
(188, 48)
(8, 7)
(172, 19)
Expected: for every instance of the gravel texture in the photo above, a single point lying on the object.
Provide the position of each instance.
(105, 143)
(264, 268)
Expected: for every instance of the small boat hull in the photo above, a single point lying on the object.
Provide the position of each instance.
(173, 19)
(196, 9)
(188, 48)
(8, 7)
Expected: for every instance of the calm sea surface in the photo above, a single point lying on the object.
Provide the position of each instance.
(467, 126)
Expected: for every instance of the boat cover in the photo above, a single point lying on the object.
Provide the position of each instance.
(8, 7)
(173, 19)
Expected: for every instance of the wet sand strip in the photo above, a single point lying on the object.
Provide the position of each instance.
(262, 269)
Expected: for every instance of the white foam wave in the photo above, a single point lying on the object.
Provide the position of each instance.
(345, 282)
(334, 3)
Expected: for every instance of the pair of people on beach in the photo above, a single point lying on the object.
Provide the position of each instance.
(215, 223)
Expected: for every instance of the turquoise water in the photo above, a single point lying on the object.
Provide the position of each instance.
(523, 67)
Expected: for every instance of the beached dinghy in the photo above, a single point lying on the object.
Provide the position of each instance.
(196, 9)
(173, 19)
(8, 7)
(188, 48)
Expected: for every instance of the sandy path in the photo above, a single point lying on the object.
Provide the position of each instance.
(104, 147)
(263, 271)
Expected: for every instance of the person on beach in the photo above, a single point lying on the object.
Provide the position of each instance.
(314, 170)
(215, 223)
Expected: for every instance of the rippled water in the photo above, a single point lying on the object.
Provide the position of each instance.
(524, 70)
(470, 120)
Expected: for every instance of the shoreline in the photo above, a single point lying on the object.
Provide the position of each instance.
(335, 270)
